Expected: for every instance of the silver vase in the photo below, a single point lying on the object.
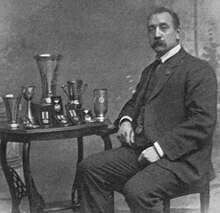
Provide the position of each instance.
(12, 104)
(100, 101)
(48, 65)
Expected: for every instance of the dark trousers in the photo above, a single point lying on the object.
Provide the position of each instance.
(144, 186)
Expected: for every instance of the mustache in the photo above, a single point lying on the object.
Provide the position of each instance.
(159, 43)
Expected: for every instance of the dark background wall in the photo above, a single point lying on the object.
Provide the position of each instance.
(102, 42)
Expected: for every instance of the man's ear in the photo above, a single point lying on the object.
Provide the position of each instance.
(178, 32)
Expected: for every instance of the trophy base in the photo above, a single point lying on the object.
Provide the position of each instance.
(13, 125)
(100, 119)
(29, 125)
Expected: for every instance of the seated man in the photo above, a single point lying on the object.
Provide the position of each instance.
(165, 129)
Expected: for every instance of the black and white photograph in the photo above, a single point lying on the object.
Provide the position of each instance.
(109, 106)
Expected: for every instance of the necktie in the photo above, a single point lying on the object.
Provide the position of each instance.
(155, 75)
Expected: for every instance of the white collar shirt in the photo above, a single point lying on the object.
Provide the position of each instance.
(170, 53)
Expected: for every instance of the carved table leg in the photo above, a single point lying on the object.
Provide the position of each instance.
(107, 141)
(16, 186)
(105, 135)
(36, 201)
(80, 149)
(75, 196)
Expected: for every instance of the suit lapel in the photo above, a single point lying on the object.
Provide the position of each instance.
(167, 70)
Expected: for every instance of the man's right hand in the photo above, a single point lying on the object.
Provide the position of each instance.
(126, 133)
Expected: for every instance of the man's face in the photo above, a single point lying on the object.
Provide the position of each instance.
(162, 34)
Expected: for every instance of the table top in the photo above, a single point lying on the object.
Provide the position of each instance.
(5, 128)
(79, 130)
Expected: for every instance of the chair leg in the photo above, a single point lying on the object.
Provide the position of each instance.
(204, 199)
(166, 206)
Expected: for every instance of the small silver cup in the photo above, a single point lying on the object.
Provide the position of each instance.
(100, 98)
(12, 108)
(28, 93)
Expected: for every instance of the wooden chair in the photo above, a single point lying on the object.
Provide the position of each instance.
(204, 193)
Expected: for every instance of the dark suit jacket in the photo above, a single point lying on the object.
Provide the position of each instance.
(180, 115)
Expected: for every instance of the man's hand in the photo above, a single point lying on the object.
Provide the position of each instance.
(150, 154)
(126, 133)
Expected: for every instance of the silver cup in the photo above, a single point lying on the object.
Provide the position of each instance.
(100, 101)
(48, 66)
(28, 93)
(12, 108)
(74, 91)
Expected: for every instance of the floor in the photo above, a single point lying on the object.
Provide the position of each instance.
(53, 173)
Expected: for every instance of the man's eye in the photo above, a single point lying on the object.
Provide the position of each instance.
(151, 29)
(163, 27)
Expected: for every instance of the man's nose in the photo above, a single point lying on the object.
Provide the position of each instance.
(157, 33)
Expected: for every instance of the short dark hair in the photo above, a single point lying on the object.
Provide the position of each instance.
(176, 21)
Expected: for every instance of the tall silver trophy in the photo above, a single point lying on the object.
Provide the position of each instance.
(48, 65)
(12, 104)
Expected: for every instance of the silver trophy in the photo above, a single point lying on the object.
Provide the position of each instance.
(74, 91)
(100, 101)
(28, 93)
(12, 108)
(48, 66)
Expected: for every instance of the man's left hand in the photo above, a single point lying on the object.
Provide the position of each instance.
(150, 154)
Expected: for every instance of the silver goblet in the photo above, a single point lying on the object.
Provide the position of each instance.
(100, 98)
(12, 104)
(28, 93)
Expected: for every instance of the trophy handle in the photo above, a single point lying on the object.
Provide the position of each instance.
(64, 87)
(83, 89)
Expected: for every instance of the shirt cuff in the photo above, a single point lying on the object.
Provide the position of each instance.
(125, 118)
(159, 149)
